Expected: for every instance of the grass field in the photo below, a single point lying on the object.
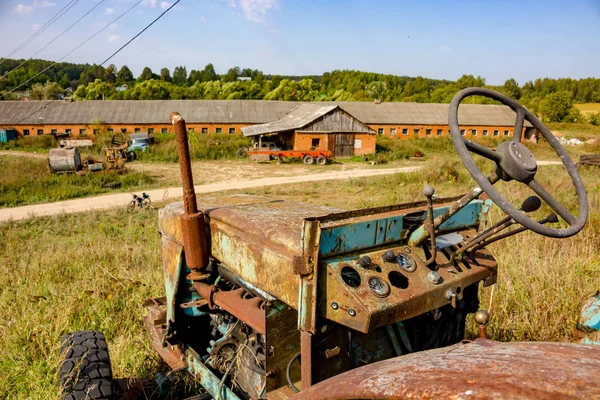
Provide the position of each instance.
(28, 181)
(94, 270)
(588, 108)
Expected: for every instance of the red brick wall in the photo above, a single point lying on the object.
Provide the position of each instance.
(445, 130)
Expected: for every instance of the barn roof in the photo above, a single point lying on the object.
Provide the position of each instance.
(33, 112)
(297, 118)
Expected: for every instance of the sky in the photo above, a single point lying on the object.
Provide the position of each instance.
(441, 39)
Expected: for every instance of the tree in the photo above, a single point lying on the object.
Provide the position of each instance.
(195, 76)
(110, 74)
(556, 106)
(47, 91)
(232, 74)
(511, 89)
(146, 74)
(180, 75)
(65, 81)
(97, 90)
(165, 75)
(124, 75)
(209, 74)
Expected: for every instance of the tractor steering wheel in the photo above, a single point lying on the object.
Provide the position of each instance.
(514, 161)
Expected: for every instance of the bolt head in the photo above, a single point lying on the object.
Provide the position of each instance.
(434, 277)
(364, 261)
(482, 317)
(335, 305)
(352, 312)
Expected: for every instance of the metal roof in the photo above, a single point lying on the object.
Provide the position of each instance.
(297, 118)
(238, 111)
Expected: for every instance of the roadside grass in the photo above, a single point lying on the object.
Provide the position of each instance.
(30, 143)
(94, 270)
(28, 181)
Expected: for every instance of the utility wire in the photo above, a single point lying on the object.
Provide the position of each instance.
(52, 20)
(70, 52)
(53, 40)
(111, 56)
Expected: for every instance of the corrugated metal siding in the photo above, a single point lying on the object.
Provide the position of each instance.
(239, 111)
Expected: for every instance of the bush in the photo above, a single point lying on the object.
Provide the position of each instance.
(30, 143)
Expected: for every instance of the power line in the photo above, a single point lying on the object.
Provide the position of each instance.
(53, 40)
(111, 56)
(52, 20)
(70, 52)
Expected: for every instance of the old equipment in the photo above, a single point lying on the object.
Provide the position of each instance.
(266, 298)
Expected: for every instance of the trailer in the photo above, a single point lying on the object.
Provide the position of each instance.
(309, 157)
(589, 159)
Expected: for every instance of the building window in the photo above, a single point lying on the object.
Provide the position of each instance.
(123, 130)
(474, 132)
(392, 131)
(231, 130)
(96, 131)
(496, 132)
(439, 132)
(81, 132)
(110, 130)
(219, 130)
(25, 132)
(40, 132)
(462, 132)
(136, 130)
(164, 130)
(357, 143)
(505, 133)
(428, 132)
(405, 131)
(485, 132)
(68, 132)
(53, 131)
(416, 131)
(150, 130)
(380, 131)
(316, 143)
(204, 130)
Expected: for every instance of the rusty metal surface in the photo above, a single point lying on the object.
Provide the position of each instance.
(192, 221)
(155, 322)
(588, 327)
(482, 369)
(248, 310)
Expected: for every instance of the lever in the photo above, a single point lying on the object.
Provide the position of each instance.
(532, 203)
(550, 219)
(428, 191)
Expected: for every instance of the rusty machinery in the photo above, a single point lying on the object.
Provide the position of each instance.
(272, 299)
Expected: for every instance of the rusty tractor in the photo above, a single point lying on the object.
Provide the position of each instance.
(271, 299)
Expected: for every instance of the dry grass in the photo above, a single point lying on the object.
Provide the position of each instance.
(93, 271)
(588, 108)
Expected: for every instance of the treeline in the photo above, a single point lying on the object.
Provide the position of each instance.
(552, 99)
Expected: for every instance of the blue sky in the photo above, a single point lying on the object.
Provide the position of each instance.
(437, 39)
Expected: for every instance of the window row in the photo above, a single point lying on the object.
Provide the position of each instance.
(440, 132)
(96, 131)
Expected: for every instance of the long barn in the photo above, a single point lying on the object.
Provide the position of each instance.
(396, 120)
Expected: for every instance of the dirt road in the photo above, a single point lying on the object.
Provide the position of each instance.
(121, 199)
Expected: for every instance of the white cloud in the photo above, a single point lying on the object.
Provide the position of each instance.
(232, 3)
(202, 19)
(23, 9)
(26, 9)
(255, 10)
(151, 3)
(164, 5)
(35, 27)
(112, 38)
(112, 27)
(109, 11)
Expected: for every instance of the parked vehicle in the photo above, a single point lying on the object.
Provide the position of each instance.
(256, 147)
(273, 299)
(142, 201)
(139, 142)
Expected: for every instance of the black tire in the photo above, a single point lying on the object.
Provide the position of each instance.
(146, 202)
(242, 152)
(131, 206)
(309, 160)
(131, 156)
(321, 160)
(85, 371)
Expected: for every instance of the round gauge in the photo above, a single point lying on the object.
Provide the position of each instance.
(406, 262)
(379, 286)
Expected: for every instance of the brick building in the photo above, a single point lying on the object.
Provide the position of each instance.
(90, 117)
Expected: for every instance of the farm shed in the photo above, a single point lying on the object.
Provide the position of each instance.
(6, 135)
(318, 126)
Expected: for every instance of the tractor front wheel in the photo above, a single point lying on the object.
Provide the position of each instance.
(85, 371)
(242, 152)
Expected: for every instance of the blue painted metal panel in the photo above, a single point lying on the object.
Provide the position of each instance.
(379, 231)
(589, 323)
(207, 379)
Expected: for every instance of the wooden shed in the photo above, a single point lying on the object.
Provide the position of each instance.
(318, 126)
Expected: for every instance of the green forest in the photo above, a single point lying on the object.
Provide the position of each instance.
(552, 99)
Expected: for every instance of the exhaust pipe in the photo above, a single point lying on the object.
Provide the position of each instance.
(192, 221)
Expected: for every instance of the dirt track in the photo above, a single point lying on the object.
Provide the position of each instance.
(121, 199)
